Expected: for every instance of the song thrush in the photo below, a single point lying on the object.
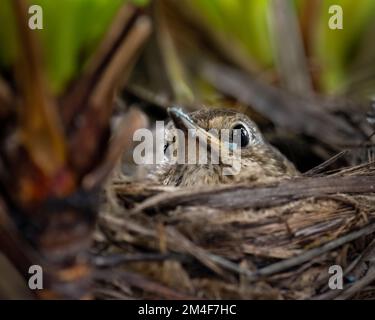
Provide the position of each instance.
(259, 161)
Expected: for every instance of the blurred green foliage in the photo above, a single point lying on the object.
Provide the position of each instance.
(243, 22)
(247, 23)
(72, 29)
(335, 49)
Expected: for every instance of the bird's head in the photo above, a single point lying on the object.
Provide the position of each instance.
(231, 143)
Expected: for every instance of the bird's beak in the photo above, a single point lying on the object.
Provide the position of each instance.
(183, 122)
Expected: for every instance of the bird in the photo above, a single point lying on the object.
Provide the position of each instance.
(258, 161)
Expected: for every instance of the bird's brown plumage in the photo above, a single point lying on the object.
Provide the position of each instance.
(260, 162)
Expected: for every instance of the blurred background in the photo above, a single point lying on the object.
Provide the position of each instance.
(309, 88)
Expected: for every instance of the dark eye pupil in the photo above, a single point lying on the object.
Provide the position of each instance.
(245, 137)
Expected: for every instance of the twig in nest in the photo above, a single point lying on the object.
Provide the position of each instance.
(318, 169)
(140, 282)
(286, 264)
(175, 240)
(195, 251)
(313, 253)
(113, 260)
(357, 264)
(367, 255)
(357, 286)
(242, 196)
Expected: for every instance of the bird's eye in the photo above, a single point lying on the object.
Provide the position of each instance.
(241, 133)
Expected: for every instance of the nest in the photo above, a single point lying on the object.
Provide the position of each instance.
(274, 241)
